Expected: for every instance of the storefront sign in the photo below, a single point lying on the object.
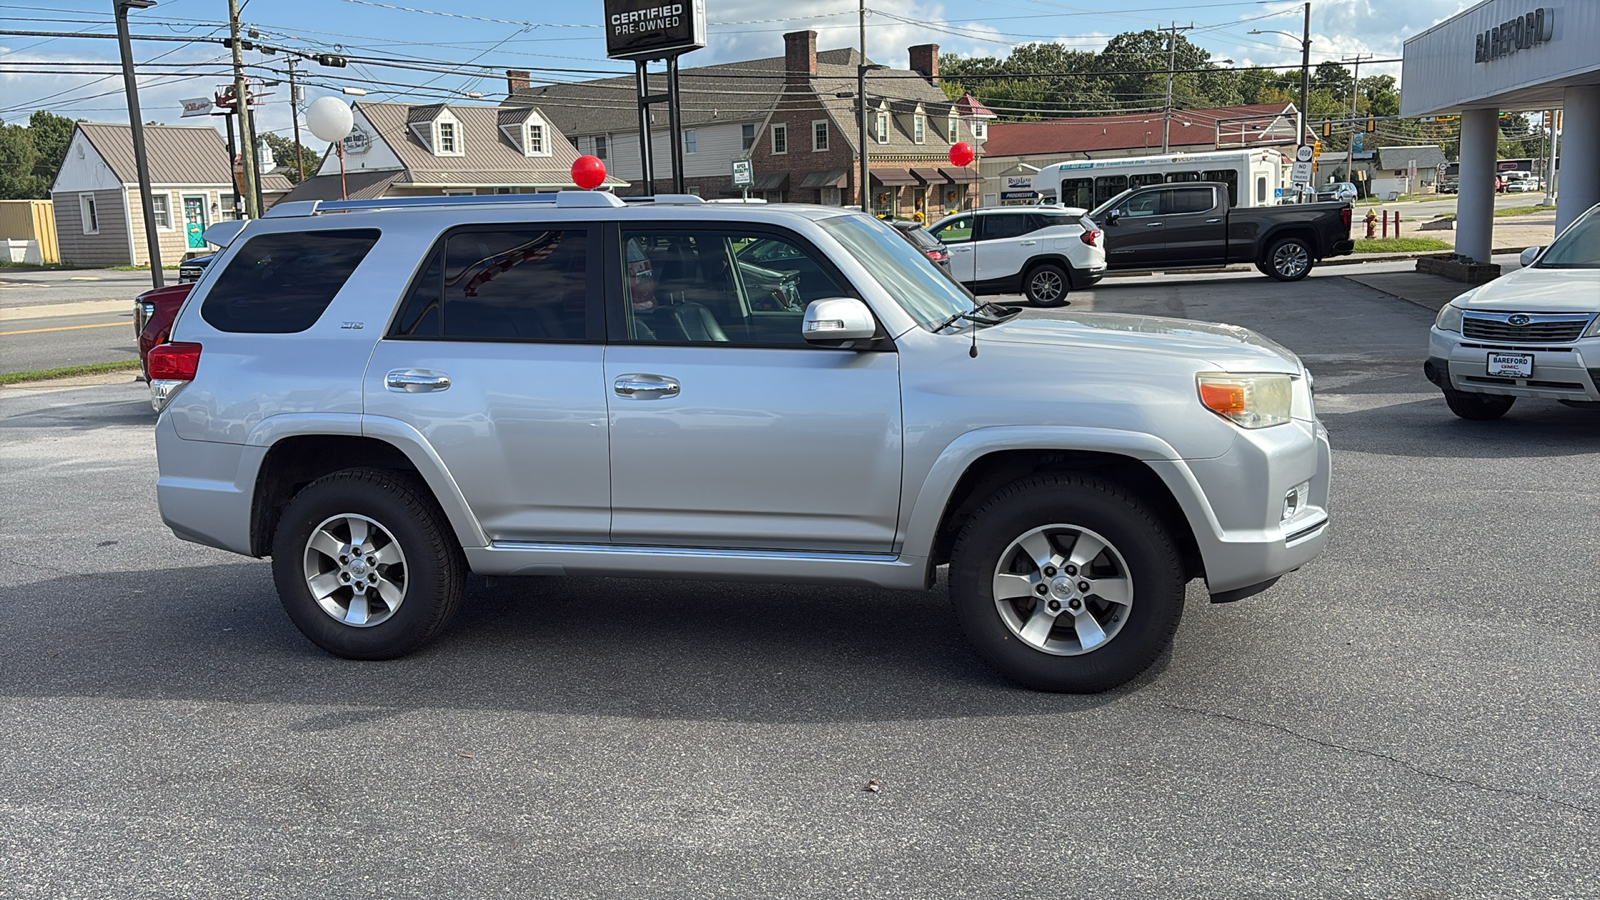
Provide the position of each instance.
(1520, 33)
(654, 29)
(357, 141)
(1017, 187)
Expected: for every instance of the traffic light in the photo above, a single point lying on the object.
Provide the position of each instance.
(1316, 149)
(1372, 125)
(1327, 129)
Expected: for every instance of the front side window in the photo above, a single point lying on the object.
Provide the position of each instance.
(1576, 248)
(819, 136)
(1150, 203)
(955, 231)
(720, 286)
(281, 283)
(998, 226)
(915, 283)
(780, 139)
(517, 284)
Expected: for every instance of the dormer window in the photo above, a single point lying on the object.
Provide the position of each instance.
(980, 129)
(535, 139)
(883, 128)
(447, 137)
(919, 128)
(952, 128)
(443, 132)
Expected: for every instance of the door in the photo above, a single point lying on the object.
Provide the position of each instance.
(1136, 239)
(729, 430)
(496, 360)
(1004, 245)
(194, 222)
(1196, 226)
(956, 235)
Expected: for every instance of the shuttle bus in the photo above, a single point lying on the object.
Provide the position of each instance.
(1254, 177)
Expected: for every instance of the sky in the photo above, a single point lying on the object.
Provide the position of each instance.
(79, 77)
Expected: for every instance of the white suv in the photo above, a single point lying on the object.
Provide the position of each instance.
(384, 395)
(1041, 252)
(1532, 333)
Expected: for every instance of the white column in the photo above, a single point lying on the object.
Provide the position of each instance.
(1480, 133)
(1580, 138)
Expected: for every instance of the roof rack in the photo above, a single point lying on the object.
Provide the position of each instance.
(667, 200)
(560, 199)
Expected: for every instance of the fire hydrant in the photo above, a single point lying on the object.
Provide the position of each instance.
(1372, 224)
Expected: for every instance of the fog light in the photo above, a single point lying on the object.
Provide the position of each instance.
(1295, 500)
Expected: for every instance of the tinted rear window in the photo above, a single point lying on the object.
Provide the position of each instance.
(281, 283)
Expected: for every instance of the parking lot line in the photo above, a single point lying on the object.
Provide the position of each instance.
(66, 328)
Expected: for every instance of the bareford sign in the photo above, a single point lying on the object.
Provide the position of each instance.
(654, 29)
(1520, 33)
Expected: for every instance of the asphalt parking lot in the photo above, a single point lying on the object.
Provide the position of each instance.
(1413, 715)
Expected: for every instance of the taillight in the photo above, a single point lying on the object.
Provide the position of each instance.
(173, 362)
(1344, 214)
(938, 255)
(1089, 237)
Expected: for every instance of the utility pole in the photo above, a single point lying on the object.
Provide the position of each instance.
(294, 113)
(247, 138)
(1172, 64)
(1550, 176)
(1355, 91)
(861, 105)
(1305, 76)
(141, 161)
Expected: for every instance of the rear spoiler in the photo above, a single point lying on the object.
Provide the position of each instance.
(223, 233)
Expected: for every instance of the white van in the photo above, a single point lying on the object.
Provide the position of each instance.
(1254, 177)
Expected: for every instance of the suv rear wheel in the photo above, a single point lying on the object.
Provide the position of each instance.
(1046, 284)
(1066, 583)
(366, 565)
(1478, 407)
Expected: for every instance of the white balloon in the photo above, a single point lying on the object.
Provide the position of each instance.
(330, 119)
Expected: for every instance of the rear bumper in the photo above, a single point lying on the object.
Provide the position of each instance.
(1343, 248)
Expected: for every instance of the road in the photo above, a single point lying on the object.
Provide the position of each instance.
(1411, 715)
(52, 317)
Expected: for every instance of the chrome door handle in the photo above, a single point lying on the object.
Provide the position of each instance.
(1151, 224)
(416, 381)
(1029, 243)
(645, 387)
(960, 249)
(1212, 221)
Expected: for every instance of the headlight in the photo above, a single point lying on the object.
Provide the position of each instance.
(1249, 401)
(1594, 328)
(1449, 318)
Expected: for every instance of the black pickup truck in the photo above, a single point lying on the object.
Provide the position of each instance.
(1189, 226)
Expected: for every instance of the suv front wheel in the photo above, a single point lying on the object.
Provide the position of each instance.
(366, 565)
(1046, 284)
(1478, 407)
(1066, 583)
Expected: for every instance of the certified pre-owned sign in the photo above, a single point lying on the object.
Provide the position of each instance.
(654, 29)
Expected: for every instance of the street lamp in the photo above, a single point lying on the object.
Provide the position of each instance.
(140, 161)
(861, 100)
(1305, 70)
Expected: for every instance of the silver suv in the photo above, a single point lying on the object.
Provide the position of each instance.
(385, 395)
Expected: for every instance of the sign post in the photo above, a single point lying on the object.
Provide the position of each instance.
(743, 176)
(643, 30)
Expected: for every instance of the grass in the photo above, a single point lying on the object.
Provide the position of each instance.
(1501, 213)
(1400, 245)
(1404, 198)
(69, 267)
(126, 365)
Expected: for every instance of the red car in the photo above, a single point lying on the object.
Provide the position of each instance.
(153, 312)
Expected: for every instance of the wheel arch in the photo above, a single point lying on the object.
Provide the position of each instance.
(294, 461)
(1293, 230)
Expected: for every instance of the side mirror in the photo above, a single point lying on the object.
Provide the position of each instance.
(1529, 255)
(838, 319)
(1113, 216)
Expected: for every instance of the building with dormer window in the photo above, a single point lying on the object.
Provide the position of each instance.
(402, 150)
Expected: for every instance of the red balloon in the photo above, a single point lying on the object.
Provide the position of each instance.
(961, 153)
(588, 172)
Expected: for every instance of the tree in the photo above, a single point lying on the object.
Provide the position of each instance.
(18, 157)
(283, 153)
(51, 135)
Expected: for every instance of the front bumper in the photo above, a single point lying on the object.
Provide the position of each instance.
(1569, 371)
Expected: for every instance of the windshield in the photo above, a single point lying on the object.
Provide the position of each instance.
(1577, 248)
(915, 283)
(1109, 204)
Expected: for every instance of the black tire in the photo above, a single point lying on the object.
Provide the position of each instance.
(1478, 407)
(416, 569)
(1131, 636)
(1262, 268)
(1046, 284)
(1289, 259)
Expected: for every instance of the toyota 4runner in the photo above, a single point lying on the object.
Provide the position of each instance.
(385, 395)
